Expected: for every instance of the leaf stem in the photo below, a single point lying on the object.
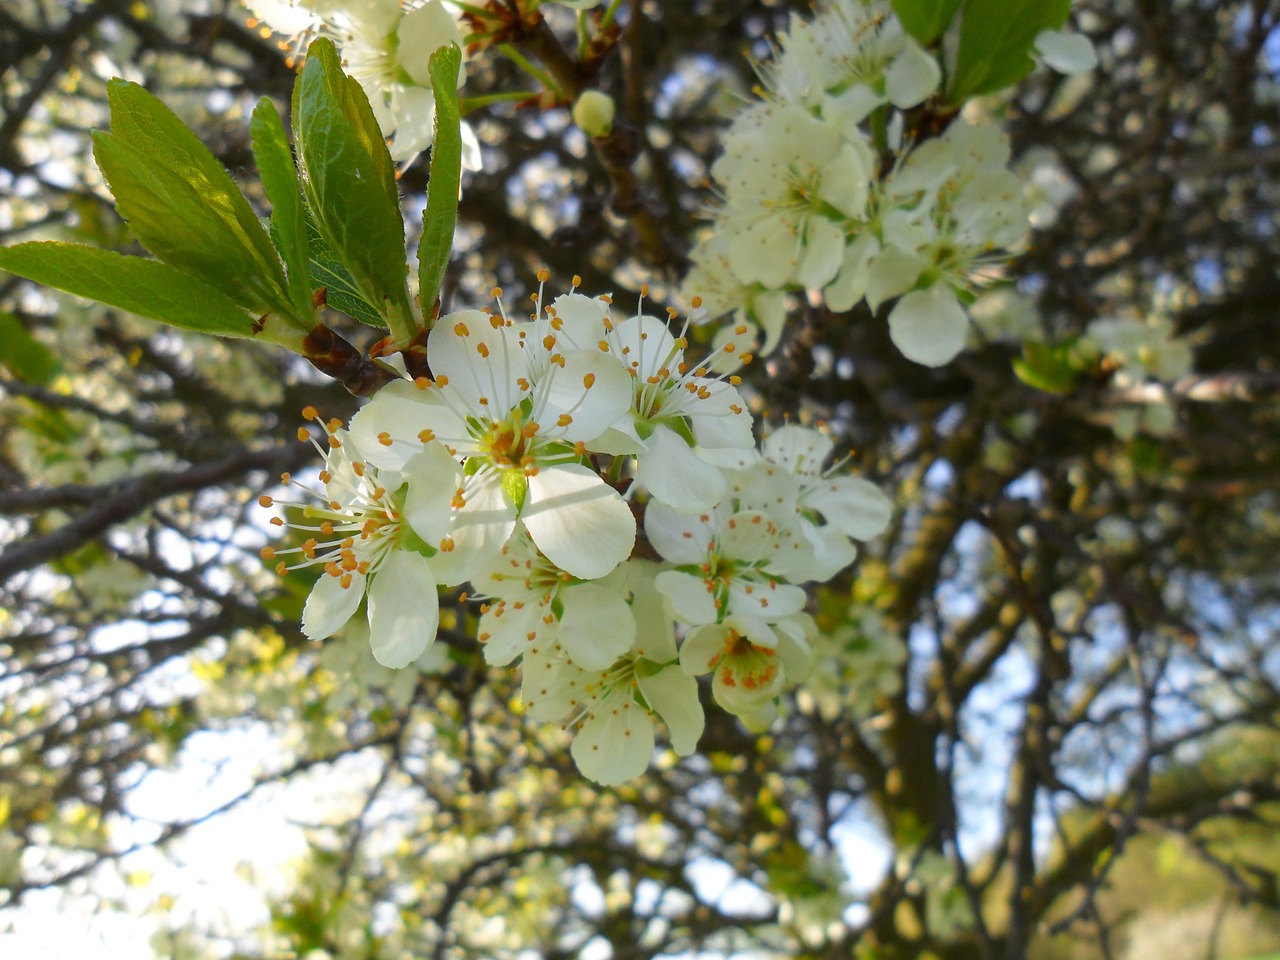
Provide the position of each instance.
(467, 104)
(527, 65)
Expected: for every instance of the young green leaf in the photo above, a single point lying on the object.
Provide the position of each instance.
(349, 181)
(441, 213)
(182, 204)
(341, 291)
(996, 37)
(274, 158)
(148, 288)
(1047, 367)
(23, 354)
(925, 19)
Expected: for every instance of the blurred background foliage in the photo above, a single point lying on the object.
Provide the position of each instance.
(1044, 720)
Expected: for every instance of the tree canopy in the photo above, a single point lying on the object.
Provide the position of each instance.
(1062, 648)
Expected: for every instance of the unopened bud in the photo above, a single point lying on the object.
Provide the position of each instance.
(593, 113)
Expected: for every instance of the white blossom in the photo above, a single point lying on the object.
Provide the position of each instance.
(360, 540)
(386, 47)
(515, 413)
(611, 711)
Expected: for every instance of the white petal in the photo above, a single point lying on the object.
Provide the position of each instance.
(645, 346)
(479, 361)
(581, 320)
(823, 252)
(284, 17)
(677, 476)
(856, 507)
(690, 599)
(912, 77)
(580, 522)
(329, 605)
(471, 157)
(615, 742)
(507, 630)
(793, 649)
(674, 697)
(678, 537)
(1067, 53)
(749, 535)
(551, 685)
(846, 179)
(769, 601)
(829, 551)
(421, 33)
(759, 719)
(766, 253)
(702, 649)
(655, 631)
(433, 477)
(929, 326)
(592, 389)
(801, 450)
(398, 413)
(892, 272)
(620, 440)
(404, 608)
(413, 112)
(769, 309)
(722, 419)
(480, 529)
(851, 282)
(597, 627)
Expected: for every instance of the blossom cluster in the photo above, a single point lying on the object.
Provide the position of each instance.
(607, 501)
(822, 191)
(386, 47)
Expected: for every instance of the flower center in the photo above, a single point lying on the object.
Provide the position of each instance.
(746, 665)
(509, 443)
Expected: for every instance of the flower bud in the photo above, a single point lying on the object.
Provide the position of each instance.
(593, 113)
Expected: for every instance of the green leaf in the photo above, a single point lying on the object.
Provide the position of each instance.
(1047, 367)
(23, 354)
(145, 287)
(996, 37)
(183, 205)
(341, 291)
(280, 181)
(925, 19)
(350, 186)
(441, 213)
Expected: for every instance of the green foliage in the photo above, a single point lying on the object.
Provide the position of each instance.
(996, 37)
(350, 183)
(23, 354)
(341, 291)
(1053, 368)
(184, 207)
(441, 212)
(288, 214)
(925, 19)
(145, 287)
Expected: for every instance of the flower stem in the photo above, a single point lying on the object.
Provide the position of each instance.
(525, 64)
(467, 104)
